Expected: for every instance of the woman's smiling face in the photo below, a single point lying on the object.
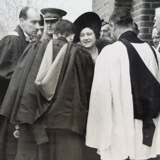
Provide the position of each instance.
(87, 38)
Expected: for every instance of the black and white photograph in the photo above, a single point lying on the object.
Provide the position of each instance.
(79, 80)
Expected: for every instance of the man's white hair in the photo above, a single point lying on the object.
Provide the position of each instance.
(157, 11)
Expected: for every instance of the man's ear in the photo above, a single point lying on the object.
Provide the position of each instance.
(21, 21)
(72, 37)
(112, 25)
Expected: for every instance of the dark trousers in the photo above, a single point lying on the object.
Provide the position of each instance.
(89, 153)
(62, 145)
(27, 147)
(11, 142)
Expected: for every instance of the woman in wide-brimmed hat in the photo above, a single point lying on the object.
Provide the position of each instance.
(87, 33)
(88, 27)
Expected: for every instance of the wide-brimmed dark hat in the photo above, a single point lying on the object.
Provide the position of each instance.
(52, 13)
(88, 19)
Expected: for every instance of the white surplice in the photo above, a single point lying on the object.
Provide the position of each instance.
(111, 127)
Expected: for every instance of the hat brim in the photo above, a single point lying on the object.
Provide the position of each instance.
(50, 19)
(60, 12)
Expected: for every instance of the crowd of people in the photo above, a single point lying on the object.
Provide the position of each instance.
(86, 90)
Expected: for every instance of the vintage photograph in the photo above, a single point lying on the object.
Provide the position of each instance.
(80, 80)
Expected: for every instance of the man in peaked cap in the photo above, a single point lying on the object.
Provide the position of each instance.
(53, 13)
(52, 17)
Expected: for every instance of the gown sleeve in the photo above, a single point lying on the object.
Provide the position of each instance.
(9, 55)
(99, 125)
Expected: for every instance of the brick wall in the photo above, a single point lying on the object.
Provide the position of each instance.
(103, 8)
(123, 3)
(142, 10)
(143, 14)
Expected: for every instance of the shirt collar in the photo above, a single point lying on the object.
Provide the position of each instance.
(130, 36)
(27, 37)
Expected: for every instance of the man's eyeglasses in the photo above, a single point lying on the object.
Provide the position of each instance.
(104, 22)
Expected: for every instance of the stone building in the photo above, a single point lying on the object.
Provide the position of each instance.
(142, 11)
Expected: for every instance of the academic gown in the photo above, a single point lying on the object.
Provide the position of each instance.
(11, 48)
(111, 127)
(22, 82)
(23, 72)
(68, 110)
(26, 112)
(13, 97)
(20, 103)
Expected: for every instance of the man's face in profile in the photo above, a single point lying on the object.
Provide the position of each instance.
(105, 31)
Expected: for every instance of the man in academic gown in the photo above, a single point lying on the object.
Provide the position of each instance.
(21, 102)
(32, 53)
(11, 48)
(61, 116)
(13, 45)
(123, 120)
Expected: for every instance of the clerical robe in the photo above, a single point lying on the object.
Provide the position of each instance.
(111, 127)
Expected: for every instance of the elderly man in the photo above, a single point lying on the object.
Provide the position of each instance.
(105, 31)
(105, 35)
(11, 48)
(155, 38)
(157, 20)
(157, 23)
(123, 118)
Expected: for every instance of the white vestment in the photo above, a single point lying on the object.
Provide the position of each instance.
(111, 127)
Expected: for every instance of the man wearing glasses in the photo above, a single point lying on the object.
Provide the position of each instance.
(105, 32)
